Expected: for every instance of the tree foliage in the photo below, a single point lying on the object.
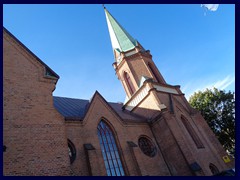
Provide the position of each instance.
(218, 109)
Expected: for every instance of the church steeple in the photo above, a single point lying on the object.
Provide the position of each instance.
(133, 64)
(121, 40)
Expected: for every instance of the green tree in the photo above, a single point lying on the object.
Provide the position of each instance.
(218, 109)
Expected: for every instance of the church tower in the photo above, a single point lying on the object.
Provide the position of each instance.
(137, 72)
(187, 144)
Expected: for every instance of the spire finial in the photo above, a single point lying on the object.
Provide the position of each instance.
(103, 6)
(121, 40)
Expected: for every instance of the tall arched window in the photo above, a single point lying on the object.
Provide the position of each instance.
(153, 72)
(192, 132)
(129, 83)
(213, 168)
(109, 149)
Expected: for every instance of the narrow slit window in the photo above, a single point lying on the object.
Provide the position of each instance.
(192, 133)
(129, 83)
(154, 73)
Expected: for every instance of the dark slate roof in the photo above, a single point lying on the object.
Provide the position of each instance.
(76, 109)
(69, 107)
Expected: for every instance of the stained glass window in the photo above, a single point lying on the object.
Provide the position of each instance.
(147, 146)
(109, 149)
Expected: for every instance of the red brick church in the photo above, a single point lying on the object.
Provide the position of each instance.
(155, 132)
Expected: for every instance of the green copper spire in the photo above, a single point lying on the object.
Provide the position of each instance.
(121, 40)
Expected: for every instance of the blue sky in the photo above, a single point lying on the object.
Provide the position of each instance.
(191, 49)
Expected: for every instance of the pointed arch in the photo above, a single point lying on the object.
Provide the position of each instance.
(213, 168)
(129, 83)
(192, 132)
(110, 152)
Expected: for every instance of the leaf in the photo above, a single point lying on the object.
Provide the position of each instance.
(218, 109)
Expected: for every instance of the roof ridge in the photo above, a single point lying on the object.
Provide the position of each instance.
(70, 98)
(86, 99)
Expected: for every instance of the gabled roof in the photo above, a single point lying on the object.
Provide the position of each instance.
(121, 40)
(76, 109)
(70, 108)
(49, 71)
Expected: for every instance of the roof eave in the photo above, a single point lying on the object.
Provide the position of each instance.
(30, 52)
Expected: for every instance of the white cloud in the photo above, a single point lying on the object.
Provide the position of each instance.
(210, 7)
(220, 84)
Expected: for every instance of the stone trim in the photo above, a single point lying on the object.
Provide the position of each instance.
(87, 147)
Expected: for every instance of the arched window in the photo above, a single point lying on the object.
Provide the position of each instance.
(192, 132)
(154, 72)
(109, 149)
(213, 168)
(129, 83)
(71, 151)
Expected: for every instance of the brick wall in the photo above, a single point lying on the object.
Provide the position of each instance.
(35, 134)
(33, 131)
(212, 150)
(86, 132)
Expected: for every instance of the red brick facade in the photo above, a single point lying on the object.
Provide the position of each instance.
(36, 135)
(33, 131)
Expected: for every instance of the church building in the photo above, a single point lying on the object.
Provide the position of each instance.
(155, 132)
